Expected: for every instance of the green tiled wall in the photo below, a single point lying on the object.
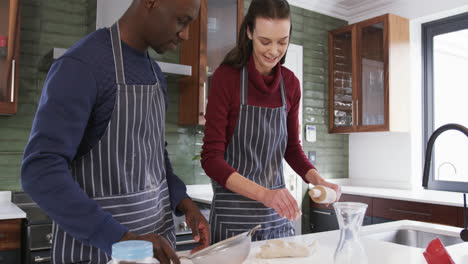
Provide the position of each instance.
(59, 23)
(45, 24)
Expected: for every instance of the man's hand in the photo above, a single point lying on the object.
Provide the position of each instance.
(197, 222)
(162, 248)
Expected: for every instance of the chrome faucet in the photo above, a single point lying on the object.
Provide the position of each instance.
(446, 186)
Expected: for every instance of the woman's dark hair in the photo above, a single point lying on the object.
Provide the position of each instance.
(270, 9)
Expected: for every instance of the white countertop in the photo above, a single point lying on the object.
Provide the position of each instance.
(200, 192)
(204, 193)
(378, 252)
(9, 210)
(420, 195)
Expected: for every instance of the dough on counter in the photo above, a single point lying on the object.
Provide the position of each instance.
(281, 249)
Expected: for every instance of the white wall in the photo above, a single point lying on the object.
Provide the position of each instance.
(108, 11)
(395, 160)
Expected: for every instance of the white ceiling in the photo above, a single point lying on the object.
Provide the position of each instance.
(343, 9)
(358, 10)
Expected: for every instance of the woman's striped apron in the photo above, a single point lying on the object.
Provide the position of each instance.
(256, 151)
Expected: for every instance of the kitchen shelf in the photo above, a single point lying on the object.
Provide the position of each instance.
(172, 70)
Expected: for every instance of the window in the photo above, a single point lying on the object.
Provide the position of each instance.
(445, 88)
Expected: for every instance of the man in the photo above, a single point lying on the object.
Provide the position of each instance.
(96, 160)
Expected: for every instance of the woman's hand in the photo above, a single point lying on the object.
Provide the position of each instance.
(283, 202)
(335, 187)
(314, 177)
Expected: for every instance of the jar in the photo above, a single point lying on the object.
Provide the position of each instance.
(322, 194)
(349, 249)
(133, 252)
(3, 46)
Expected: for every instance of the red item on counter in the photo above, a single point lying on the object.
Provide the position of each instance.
(437, 254)
(3, 41)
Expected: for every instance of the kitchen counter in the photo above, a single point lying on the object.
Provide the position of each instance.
(419, 195)
(378, 252)
(9, 210)
(204, 193)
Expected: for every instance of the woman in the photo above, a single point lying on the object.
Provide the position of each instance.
(251, 125)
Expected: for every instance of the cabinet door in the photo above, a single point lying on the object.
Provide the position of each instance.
(461, 217)
(341, 80)
(211, 36)
(9, 51)
(9, 257)
(380, 220)
(10, 234)
(372, 67)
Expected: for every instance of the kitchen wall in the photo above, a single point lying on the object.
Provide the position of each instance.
(56, 23)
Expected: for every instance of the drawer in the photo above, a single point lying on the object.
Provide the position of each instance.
(185, 242)
(401, 210)
(40, 237)
(42, 257)
(10, 234)
(461, 222)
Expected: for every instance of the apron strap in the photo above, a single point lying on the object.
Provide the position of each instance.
(244, 80)
(244, 85)
(152, 68)
(283, 90)
(117, 51)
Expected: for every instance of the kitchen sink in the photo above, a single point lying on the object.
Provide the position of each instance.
(413, 238)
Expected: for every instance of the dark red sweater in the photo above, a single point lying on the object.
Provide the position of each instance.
(223, 111)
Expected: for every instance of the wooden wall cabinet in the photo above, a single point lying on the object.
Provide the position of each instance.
(369, 76)
(9, 55)
(211, 36)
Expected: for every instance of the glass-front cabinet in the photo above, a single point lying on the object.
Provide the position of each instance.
(372, 64)
(9, 53)
(341, 81)
(211, 37)
(365, 65)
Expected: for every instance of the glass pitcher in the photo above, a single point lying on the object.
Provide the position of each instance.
(350, 249)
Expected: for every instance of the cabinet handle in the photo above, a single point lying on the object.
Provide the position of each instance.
(408, 212)
(357, 112)
(186, 242)
(320, 212)
(38, 259)
(13, 65)
(205, 96)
